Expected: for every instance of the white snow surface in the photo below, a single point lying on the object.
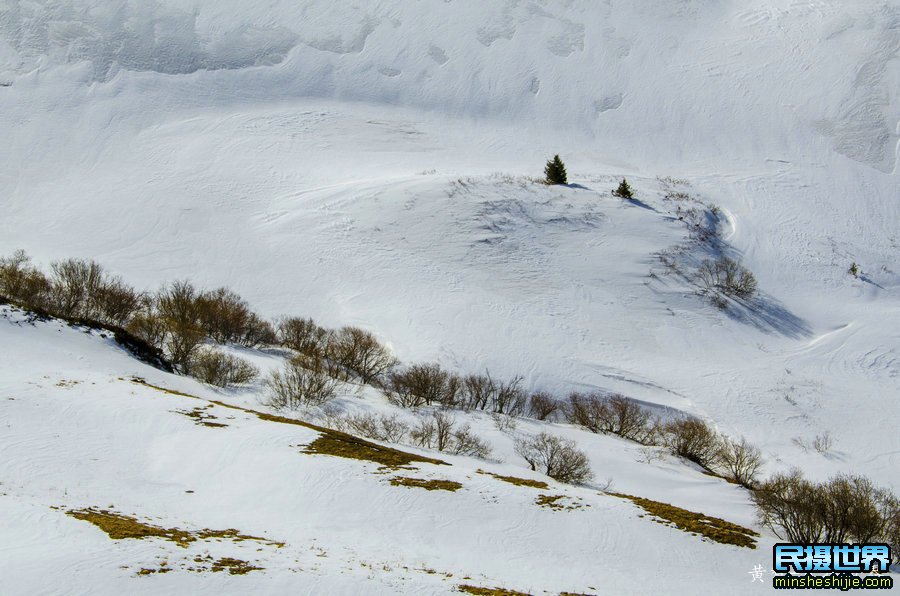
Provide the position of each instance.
(367, 165)
(79, 433)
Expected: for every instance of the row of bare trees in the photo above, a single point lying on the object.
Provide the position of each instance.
(429, 384)
(74, 289)
(182, 321)
(688, 437)
(846, 508)
(436, 430)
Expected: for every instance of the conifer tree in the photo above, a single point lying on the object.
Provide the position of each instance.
(624, 190)
(555, 171)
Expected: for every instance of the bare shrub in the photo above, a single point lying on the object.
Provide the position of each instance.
(21, 281)
(114, 302)
(220, 369)
(361, 425)
(82, 289)
(434, 431)
(303, 335)
(788, 505)
(443, 430)
(558, 458)
(504, 423)
(801, 443)
(422, 385)
(73, 282)
(614, 414)
(823, 443)
(740, 460)
(257, 332)
(857, 511)
(477, 392)
(392, 429)
(178, 307)
(588, 411)
(383, 427)
(651, 454)
(464, 442)
(297, 386)
(629, 419)
(227, 318)
(694, 440)
(510, 399)
(438, 431)
(148, 324)
(360, 352)
(542, 405)
(422, 434)
(222, 314)
(332, 416)
(726, 276)
(483, 392)
(847, 508)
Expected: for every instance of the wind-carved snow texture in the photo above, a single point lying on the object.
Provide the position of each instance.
(437, 54)
(862, 130)
(140, 36)
(568, 39)
(338, 44)
(610, 102)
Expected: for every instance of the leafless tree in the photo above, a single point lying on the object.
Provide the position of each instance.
(22, 281)
(360, 352)
(740, 460)
(542, 405)
(302, 335)
(220, 369)
(298, 386)
(422, 385)
(694, 440)
(726, 276)
(558, 458)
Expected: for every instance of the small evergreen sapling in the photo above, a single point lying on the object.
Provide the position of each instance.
(555, 170)
(624, 191)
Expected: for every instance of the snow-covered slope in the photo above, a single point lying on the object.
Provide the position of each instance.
(80, 433)
(365, 165)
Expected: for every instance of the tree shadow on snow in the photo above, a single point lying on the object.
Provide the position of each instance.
(869, 280)
(768, 315)
(639, 203)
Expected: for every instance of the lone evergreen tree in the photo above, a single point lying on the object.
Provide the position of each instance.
(555, 170)
(624, 190)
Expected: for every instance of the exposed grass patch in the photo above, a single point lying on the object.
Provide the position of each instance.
(518, 481)
(489, 591)
(717, 530)
(201, 417)
(331, 442)
(555, 502)
(120, 527)
(142, 381)
(426, 484)
(347, 446)
(233, 566)
(148, 571)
